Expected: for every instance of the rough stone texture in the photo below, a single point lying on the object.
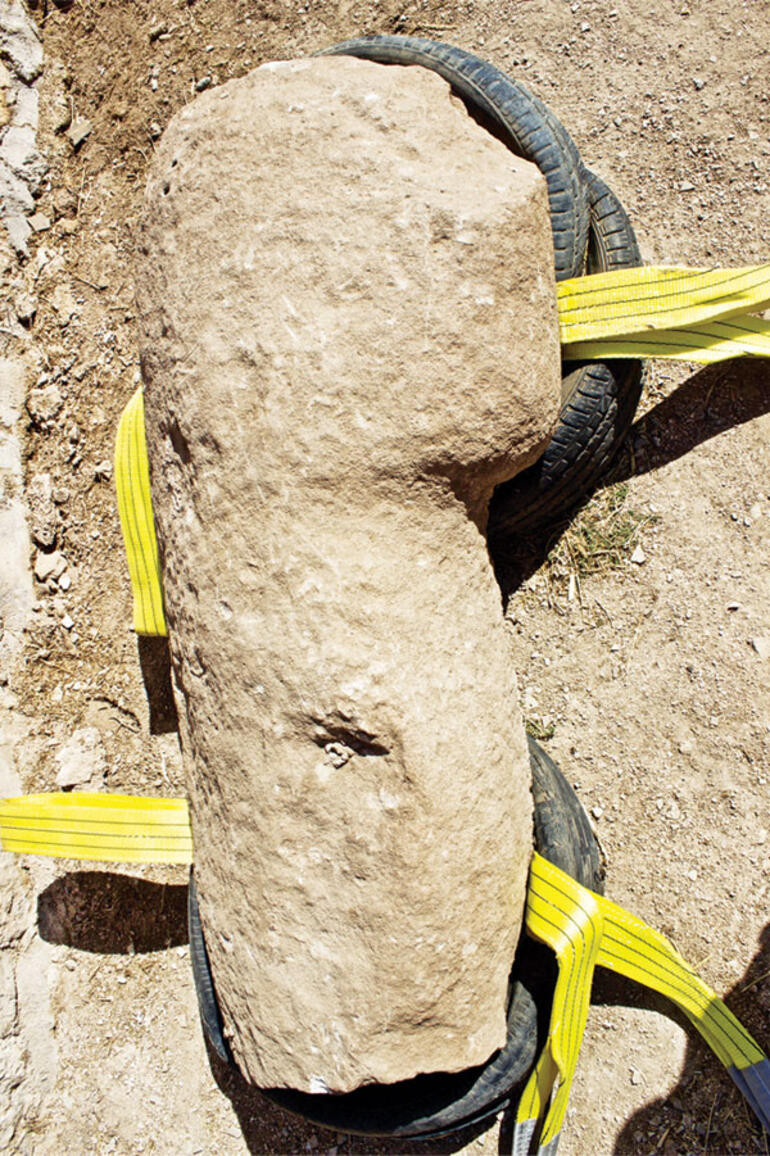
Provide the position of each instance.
(44, 403)
(21, 167)
(81, 759)
(42, 511)
(349, 337)
(28, 1047)
(49, 565)
(16, 594)
(19, 41)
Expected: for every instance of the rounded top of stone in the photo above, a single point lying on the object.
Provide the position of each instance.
(389, 230)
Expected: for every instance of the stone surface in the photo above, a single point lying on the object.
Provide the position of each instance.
(44, 403)
(22, 168)
(16, 593)
(82, 759)
(78, 131)
(43, 518)
(19, 41)
(349, 337)
(18, 149)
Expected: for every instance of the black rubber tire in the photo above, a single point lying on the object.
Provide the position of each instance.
(431, 1105)
(528, 127)
(599, 400)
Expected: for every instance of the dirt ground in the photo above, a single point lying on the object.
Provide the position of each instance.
(647, 680)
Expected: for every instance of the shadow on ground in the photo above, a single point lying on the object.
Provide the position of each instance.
(257, 1114)
(102, 911)
(155, 664)
(705, 1108)
(716, 398)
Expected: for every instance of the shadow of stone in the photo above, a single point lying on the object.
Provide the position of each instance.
(705, 1112)
(155, 663)
(102, 911)
(261, 1119)
(716, 398)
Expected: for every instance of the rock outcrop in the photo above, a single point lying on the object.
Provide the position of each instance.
(349, 337)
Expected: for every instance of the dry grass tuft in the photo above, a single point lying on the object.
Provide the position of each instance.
(601, 538)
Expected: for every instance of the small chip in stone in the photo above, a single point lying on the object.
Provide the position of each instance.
(639, 557)
(67, 622)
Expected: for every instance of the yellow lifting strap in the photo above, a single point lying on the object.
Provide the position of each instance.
(690, 314)
(584, 929)
(697, 315)
(111, 828)
(132, 482)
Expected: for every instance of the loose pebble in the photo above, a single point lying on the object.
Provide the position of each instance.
(49, 565)
(79, 131)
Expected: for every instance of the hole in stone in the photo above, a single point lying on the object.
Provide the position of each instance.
(179, 441)
(357, 739)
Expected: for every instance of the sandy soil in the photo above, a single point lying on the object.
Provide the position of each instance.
(647, 677)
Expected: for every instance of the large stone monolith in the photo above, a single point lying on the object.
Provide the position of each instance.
(349, 337)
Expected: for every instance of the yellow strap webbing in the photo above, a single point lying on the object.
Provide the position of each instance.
(585, 929)
(569, 919)
(652, 297)
(132, 481)
(113, 828)
(698, 315)
(704, 344)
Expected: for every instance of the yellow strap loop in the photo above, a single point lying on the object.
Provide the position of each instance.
(703, 344)
(569, 919)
